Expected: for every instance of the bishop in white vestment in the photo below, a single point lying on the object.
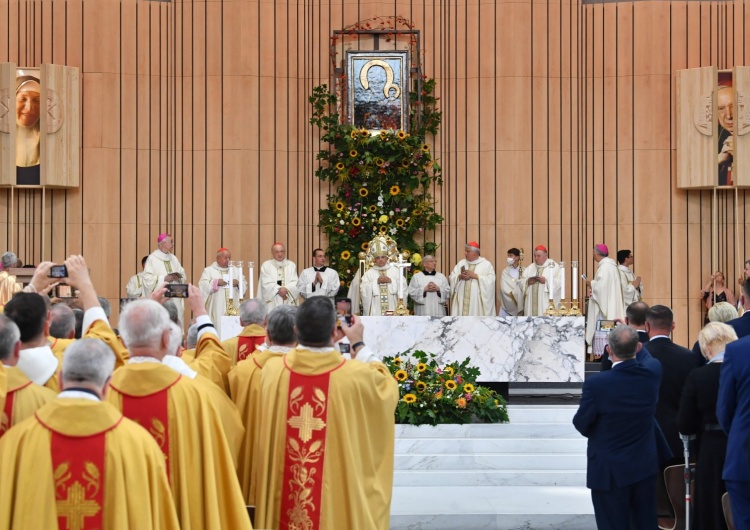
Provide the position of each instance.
(214, 284)
(319, 280)
(277, 284)
(163, 267)
(537, 279)
(472, 284)
(379, 287)
(605, 302)
(429, 290)
(512, 286)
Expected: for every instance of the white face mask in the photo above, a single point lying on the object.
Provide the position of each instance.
(511, 260)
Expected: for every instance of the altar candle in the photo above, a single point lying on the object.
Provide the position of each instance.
(242, 282)
(400, 283)
(231, 282)
(562, 285)
(250, 276)
(574, 280)
(552, 285)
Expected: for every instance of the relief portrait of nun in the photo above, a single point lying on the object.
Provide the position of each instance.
(28, 104)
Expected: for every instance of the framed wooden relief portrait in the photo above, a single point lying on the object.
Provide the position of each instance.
(378, 89)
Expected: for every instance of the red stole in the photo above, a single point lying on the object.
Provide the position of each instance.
(6, 419)
(247, 345)
(306, 427)
(78, 472)
(152, 413)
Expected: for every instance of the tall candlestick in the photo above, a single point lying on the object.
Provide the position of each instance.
(562, 276)
(250, 267)
(241, 279)
(552, 285)
(231, 280)
(574, 280)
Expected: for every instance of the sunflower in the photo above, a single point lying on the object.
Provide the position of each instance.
(421, 367)
(395, 190)
(363, 192)
(353, 153)
(379, 162)
(340, 166)
(409, 398)
(468, 388)
(364, 133)
(417, 212)
(401, 135)
(426, 148)
(461, 403)
(356, 221)
(353, 134)
(397, 361)
(405, 162)
(450, 384)
(383, 230)
(401, 375)
(421, 386)
(449, 370)
(345, 255)
(406, 254)
(340, 206)
(366, 246)
(373, 208)
(400, 222)
(383, 134)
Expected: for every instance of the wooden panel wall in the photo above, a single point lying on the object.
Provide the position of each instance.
(557, 130)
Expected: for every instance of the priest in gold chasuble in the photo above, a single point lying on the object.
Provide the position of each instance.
(77, 464)
(327, 426)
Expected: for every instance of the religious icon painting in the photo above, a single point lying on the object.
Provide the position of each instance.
(378, 89)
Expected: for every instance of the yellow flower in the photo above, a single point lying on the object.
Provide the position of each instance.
(421, 386)
(364, 133)
(405, 162)
(373, 208)
(397, 361)
(421, 367)
(383, 219)
(450, 384)
(363, 192)
(400, 222)
(406, 254)
(345, 255)
(366, 246)
(409, 398)
(461, 403)
(468, 388)
(417, 212)
(383, 134)
(379, 162)
(383, 230)
(449, 370)
(353, 134)
(426, 148)
(401, 375)
(416, 259)
(340, 206)
(353, 153)
(401, 135)
(395, 190)
(497, 403)
(356, 221)
(340, 166)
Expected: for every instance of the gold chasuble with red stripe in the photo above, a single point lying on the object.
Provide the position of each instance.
(80, 465)
(23, 399)
(246, 346)
(328, 465)
(184, 420)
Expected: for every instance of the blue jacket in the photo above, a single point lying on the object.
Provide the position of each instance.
(733, 409)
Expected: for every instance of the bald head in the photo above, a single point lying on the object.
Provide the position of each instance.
(145, 328)
(253, 311)
(278, 251)
(223, 257)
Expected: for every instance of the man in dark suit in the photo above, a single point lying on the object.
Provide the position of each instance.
(677, 363)
(741, 325)
(635, 317)
(733, 412)
(617, 416)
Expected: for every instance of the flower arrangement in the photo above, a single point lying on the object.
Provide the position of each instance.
(430, 394)
(381, 181)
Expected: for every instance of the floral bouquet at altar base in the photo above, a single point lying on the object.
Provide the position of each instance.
(431, 395)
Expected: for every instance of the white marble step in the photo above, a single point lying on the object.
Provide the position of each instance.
(500, 508)
(505, 477)
(574, 444)
(497, 430)
(489, 461)
(542, 413)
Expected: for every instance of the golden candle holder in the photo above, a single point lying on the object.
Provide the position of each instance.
(401, 309)
(231, 310)
(574, 309)
(563, 310)
(551, 311)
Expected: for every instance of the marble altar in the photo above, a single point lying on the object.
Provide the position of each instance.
(512, 349)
